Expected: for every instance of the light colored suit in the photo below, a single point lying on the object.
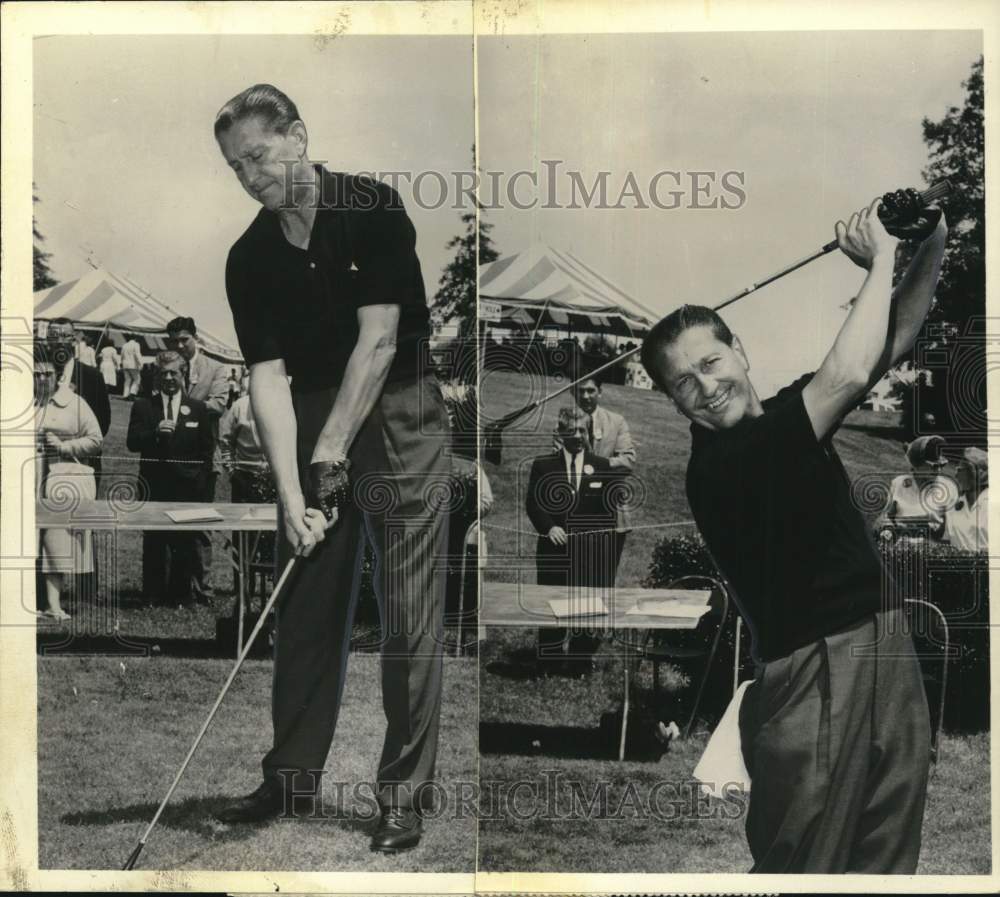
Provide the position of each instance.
(208, 383)
(612, 440)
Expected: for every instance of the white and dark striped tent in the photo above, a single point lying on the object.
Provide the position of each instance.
(549, 288)
(104, 302)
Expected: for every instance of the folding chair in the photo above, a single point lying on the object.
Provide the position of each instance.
(934, 610)
(665, 645)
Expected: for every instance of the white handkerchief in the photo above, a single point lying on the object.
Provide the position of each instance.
(194, 515)
(721, 766)
(584, 606)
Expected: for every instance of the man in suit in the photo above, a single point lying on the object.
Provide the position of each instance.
(206, 382)
(573, 504)
(84, 379)
(610, 438)
(173, 434)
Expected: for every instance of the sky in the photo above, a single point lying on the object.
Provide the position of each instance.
(129, 174)
(819, 123)
(816, 123)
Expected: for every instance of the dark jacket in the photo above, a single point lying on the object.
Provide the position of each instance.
(551, 501)
(89, 385)
(190, 443)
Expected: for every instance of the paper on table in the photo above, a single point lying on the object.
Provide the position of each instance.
(194, 515)
(687, 603)
(579, 607)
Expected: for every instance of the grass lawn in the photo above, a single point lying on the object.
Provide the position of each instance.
(544, 733)
(533, 730)
(110, 738)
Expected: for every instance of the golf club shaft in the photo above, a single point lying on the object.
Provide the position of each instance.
(130, 863)
(936, 191)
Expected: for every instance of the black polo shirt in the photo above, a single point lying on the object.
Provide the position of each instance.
(301, 304)
(775, 509)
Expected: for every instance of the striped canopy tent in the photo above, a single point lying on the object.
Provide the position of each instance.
(104, 302)
(547, 288)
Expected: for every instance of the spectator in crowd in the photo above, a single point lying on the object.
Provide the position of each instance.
(84, 351)
(918, 500)
(131, 366)
(206, 382)
(68, 434)
(965, 523)
(172, 433)
(570, 502)
(233, 383)
(241, 451)
(610, 438)
(83, 379)
(110, 364)
(244, 460)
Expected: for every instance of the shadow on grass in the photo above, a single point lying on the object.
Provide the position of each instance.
(517, 663)
(197, 815)
(525, 739)
(68, 644)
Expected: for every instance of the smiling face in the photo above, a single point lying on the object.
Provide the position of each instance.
(266, 163)
(707, 379)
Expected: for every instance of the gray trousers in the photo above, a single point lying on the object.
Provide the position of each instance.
(400, 479)
(836, 738)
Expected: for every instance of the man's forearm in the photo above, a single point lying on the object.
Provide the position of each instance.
(861, 342)
(271, 400)
(364, 378)
(914, 294)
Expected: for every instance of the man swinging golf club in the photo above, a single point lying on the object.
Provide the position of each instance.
(834, 731)
(325, 289)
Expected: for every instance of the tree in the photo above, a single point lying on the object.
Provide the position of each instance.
(42, 274)
(956, 152)
(456, 295)
(952, 401)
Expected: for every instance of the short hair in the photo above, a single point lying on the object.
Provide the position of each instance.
(586, 375)
(667, 330)
(62, 321)
(264, 101)
(176, 325)
(169, 356)
(570, 417)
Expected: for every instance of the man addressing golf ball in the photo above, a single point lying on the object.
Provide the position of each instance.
(834, 731)
(325, 290)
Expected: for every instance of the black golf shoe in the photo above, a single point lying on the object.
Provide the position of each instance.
(266, 802)
(399, 829)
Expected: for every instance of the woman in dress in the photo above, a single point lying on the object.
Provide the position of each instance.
(110, 363)
(67, 433)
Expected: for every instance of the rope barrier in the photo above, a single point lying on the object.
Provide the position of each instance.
(590, 532)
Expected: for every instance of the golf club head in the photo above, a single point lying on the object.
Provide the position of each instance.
(133, 856)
